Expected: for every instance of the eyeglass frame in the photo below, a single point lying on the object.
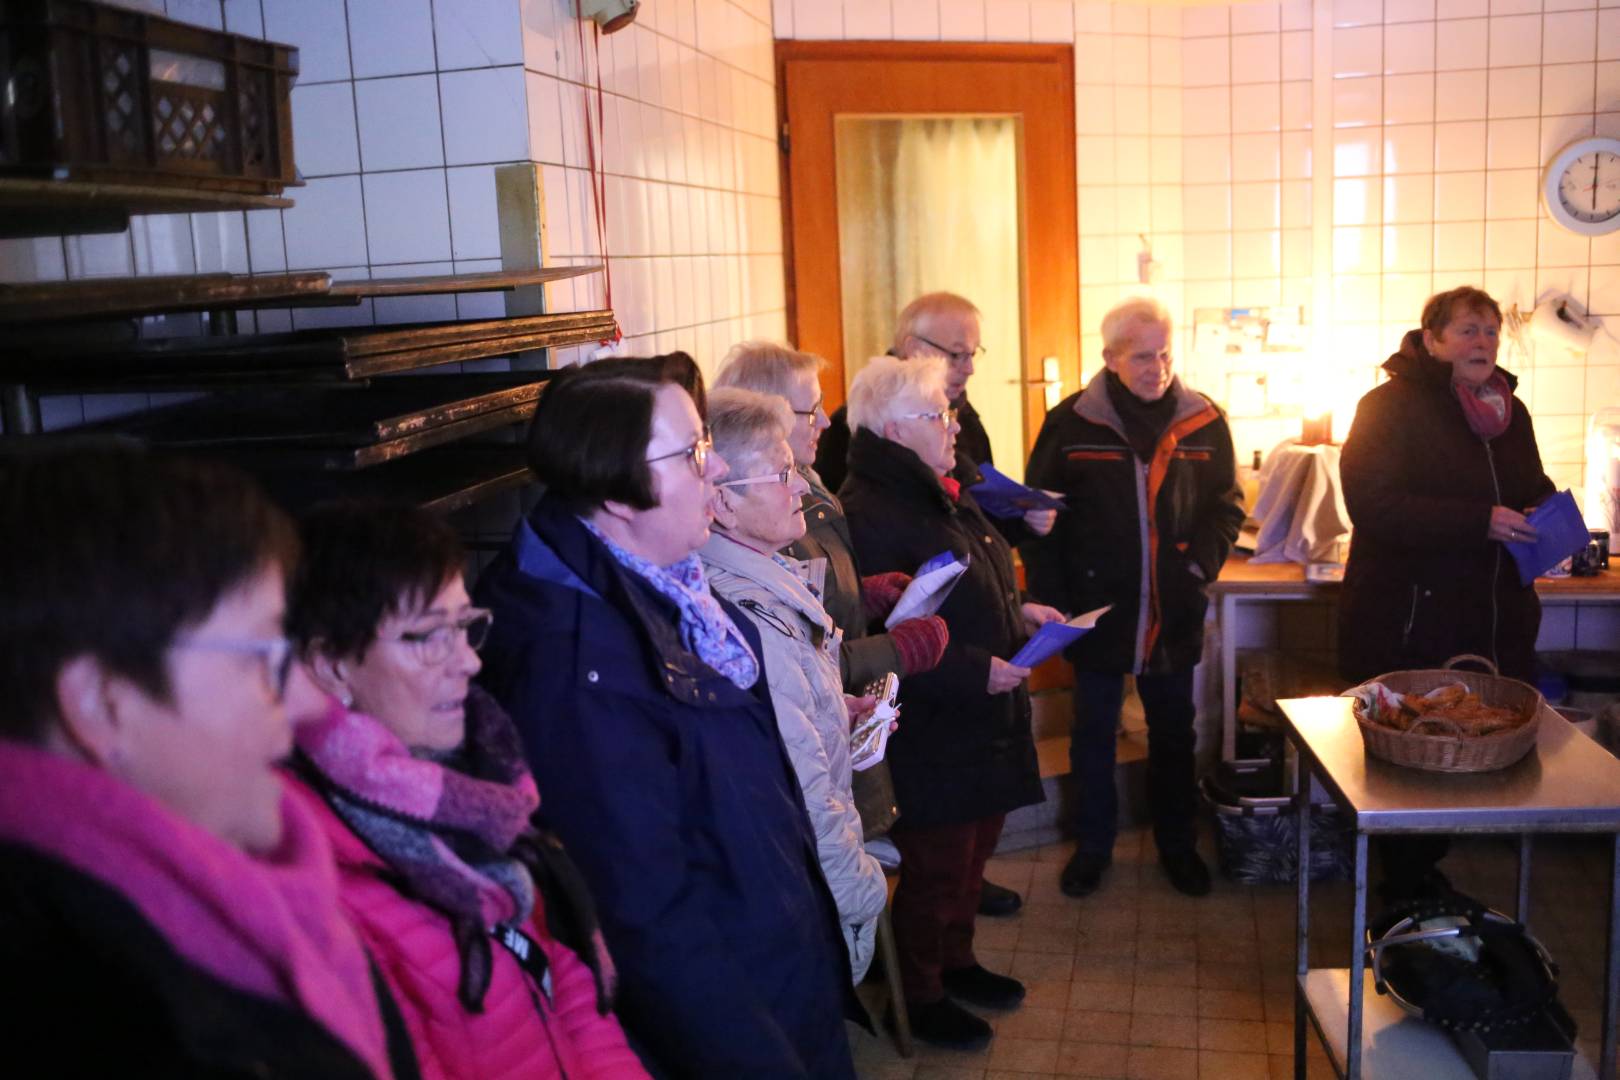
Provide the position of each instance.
(277, 654)
(948, 415)
(785, 478)
(812, 410)
(960, 357)
(420, 641)
(698, 453)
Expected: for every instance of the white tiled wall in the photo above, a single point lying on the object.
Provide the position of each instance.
(1195, 129)
(402, 111)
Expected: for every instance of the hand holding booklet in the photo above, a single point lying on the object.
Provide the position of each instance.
(929, 587)
(1560, 533)
(1001, 496)
(1053, 637)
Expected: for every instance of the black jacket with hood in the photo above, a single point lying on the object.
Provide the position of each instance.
(1145, 536)
(1423, 581)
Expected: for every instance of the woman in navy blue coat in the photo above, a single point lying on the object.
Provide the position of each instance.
(647, 720)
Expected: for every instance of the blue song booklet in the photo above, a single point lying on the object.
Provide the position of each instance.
(1053, 637)
(999, 495)
(1560, 533)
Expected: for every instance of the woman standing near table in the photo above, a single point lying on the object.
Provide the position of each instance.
(1439, 470)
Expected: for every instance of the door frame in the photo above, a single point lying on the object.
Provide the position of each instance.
(930, 78)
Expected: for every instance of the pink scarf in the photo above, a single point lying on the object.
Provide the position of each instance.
(269, 926)
(1487, 407)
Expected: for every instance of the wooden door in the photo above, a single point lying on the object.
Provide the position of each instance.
(819, 81)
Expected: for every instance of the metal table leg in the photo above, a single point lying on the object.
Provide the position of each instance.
(1611, 974)
(1229, 702)
(1358, 963)
(1302, 919)
(1521, 909)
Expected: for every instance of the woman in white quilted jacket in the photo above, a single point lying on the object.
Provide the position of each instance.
(757, 513)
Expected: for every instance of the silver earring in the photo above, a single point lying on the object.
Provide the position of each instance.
(347, 699)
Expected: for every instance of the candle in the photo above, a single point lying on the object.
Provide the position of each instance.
(1316, 430)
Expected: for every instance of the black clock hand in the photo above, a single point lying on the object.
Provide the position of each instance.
(1597, 161)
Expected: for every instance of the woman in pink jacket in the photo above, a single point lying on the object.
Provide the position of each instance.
(481, 927)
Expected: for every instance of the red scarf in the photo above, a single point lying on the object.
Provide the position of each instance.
(952, 486)
(1487, 407)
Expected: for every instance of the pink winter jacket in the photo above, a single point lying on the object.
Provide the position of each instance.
(519, 1034)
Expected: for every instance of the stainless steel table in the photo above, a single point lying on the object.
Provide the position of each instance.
(1568, 784)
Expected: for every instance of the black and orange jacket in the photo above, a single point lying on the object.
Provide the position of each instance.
(1145, 536)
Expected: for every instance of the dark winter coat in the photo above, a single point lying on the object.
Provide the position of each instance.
(1423, 582)
(972, 443)
(672, 790)
(92, 989)
(1147, 537)
(864, 656)
(961, 754)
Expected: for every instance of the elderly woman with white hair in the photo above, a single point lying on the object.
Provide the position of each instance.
(757, 515)
(853, 601)
(964, 757)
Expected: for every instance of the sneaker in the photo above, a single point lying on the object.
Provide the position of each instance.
(997, 900)
(1186, 871)
(1083, 873)
(946, 1024)
(986, 989)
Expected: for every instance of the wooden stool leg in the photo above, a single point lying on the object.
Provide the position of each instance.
(891, 974)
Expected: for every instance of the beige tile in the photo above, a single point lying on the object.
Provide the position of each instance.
(1094, 1026)
(1163, 950)
(1032, 1023)
(995, 934)
(1100, 996)
(943, 1072)
(1176, 973)
(1230, 1004)
(1149, 1029)
(1161, 1063)
(1064, 915)
(1247, 1036)
(1279, 1037)
(901, 1070)
(1108, 969)
(1233, 976)
(1046, 994)
(1024, 1055)
(1034, 966)
(1165, 1000)
(1105, 1061)
(1049, 939)
(1220, 1065)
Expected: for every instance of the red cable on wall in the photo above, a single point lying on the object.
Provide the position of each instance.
(594, 137)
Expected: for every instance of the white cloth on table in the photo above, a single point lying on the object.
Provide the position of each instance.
(1301, 505)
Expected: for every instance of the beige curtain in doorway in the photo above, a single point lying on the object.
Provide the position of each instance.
(931, 203)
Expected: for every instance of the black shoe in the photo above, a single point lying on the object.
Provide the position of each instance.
(986, 989)
(998, 899)
(1186, 871)
(945, 1023)
(1083, 873)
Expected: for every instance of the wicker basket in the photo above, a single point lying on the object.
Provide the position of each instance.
(1441, 747)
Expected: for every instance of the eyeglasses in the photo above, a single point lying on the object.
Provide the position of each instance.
(812, 410)
(277, 654)
(785, 477)
(948, 416)
(698, 452)
(435, 646)
(959, 357)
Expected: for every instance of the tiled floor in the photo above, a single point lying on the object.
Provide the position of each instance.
(1140, 982)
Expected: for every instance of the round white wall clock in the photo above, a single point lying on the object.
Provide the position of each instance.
(1581, 186)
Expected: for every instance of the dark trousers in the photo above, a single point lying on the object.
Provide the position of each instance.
(1172, 799)
(941, 869)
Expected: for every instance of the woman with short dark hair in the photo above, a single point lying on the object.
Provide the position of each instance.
(167, 909)
(638, 695)
(1439, 469)
(480, 923)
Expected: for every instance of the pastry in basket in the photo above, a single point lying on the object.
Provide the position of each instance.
(1453, 703)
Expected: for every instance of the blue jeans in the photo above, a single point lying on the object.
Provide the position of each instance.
(1172, 797)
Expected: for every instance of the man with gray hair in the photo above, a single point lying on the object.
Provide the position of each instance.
(1147, 467)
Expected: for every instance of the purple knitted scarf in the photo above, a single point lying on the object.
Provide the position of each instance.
(456, 826)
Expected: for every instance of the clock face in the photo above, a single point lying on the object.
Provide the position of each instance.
(1581, 186)
(1589, 190)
